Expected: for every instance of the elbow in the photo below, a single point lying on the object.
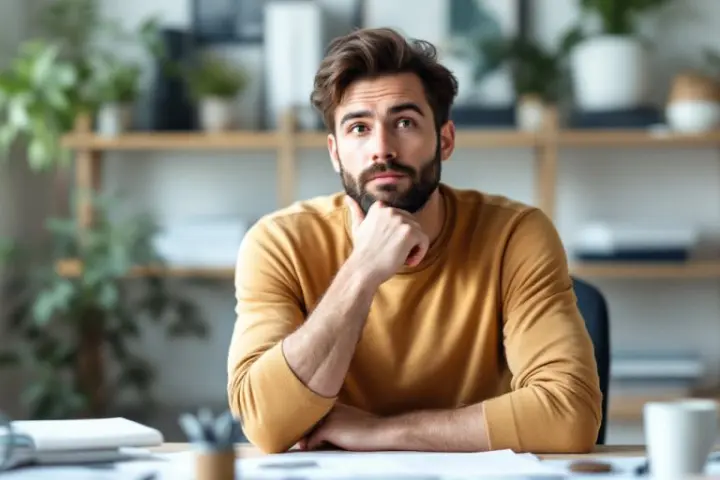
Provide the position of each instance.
(267, 436)
(264, 424)
(267, 440)
(575, 435)
(576, 429)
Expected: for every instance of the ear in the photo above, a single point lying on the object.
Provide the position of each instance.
(447, 140)
(332, 149)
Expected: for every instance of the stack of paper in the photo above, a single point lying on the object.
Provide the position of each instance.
(74, 441)
(406, 465)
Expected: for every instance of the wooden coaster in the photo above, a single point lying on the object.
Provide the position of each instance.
(590, 466)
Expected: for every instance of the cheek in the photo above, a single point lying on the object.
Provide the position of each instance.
(416, 147)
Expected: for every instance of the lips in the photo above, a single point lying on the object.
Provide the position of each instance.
(386, 175)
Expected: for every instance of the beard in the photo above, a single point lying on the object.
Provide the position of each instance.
(412, 199)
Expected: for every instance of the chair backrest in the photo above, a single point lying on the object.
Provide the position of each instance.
(594, 310)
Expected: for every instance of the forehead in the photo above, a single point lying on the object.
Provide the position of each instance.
(377, 94)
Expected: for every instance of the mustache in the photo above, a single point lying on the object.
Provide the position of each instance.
(389, 166)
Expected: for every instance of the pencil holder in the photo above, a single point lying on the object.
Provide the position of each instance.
(214, 441)
(215, 465)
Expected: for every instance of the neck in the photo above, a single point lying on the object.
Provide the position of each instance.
(432, 215)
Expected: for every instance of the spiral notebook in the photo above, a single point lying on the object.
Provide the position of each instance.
(74, 441)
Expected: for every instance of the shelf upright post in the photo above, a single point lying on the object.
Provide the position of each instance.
(87, 173)
(90, 364)
(546, 163)
(286, 160)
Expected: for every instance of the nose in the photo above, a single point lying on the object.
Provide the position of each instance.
(383, 147)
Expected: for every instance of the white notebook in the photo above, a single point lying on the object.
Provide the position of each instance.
(76, 441)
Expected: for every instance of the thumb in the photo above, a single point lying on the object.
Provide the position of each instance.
(356, 213)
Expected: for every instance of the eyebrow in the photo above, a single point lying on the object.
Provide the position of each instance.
(401, 107)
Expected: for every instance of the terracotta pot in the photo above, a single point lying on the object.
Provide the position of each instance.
(690, 86)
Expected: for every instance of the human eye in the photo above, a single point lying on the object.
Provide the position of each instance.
(406, 123)
(358, 128)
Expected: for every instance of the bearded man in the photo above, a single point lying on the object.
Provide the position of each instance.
(402, 313)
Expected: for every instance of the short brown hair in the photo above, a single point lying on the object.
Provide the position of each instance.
(368, 53)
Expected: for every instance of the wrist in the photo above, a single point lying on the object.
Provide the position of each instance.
(389, 434)
(360, 270)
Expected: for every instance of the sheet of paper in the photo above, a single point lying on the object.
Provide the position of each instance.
(415, 465)
(72, 473)
(88, 433)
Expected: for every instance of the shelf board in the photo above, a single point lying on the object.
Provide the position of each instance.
(629, 407)
(633, 138)
(464, 138)
(693, 270)
(239, 140)
(73, 268)
(647, 270)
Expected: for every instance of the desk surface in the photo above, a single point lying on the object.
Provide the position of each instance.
(247, 450)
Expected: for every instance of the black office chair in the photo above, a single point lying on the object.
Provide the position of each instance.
(594, 310)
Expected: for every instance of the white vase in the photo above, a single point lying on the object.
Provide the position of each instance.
(216, 114)
(530, 112)
(113, 119)
(610, 72)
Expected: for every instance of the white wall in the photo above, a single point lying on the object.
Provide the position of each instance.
(594, 184)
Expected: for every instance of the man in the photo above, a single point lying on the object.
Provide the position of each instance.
(403, 314)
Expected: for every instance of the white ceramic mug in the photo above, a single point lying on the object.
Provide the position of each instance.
(679, 436)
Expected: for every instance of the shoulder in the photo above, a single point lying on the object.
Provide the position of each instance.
(489, 214)
(303, 221)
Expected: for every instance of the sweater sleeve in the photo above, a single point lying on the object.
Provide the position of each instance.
(276, 409)
(555, 400)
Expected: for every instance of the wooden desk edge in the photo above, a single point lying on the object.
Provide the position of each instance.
(245, 450)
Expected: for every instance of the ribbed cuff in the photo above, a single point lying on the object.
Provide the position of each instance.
(500, 424)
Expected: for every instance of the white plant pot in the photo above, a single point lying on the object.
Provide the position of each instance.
(216, 114)
(693, 116)
(609, 73)
(113, 119)
(530, 112)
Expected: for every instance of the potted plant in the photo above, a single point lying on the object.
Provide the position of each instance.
(215, 85)
(77, 328)
(48, 85)
(115, 85)
(610, 66)
(538, 74)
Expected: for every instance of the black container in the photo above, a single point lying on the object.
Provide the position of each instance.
(172, 107)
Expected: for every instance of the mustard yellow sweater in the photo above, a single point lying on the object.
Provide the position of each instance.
(488, 316)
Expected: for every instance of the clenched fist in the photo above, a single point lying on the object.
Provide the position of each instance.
(386, 239)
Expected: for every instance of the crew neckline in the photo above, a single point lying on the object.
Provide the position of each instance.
(437, 246)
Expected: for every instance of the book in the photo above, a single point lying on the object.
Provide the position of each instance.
(60, 442)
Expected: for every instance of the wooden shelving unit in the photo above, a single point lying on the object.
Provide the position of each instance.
(287, 142)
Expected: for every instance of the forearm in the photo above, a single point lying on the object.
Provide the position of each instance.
(320, 351)
(455, 430)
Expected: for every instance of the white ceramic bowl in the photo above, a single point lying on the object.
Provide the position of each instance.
(693, 116)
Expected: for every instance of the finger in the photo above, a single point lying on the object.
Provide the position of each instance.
(418, 252)
(315, 441)
(303, 443)
(356, 213)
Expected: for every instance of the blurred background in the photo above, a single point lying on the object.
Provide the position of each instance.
(141, 139)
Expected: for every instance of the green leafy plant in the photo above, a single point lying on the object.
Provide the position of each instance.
(39, 98)
(618, 17)
(50, 82)
(77, 328)
(214, 77)
(115, 81)
(536, 70)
